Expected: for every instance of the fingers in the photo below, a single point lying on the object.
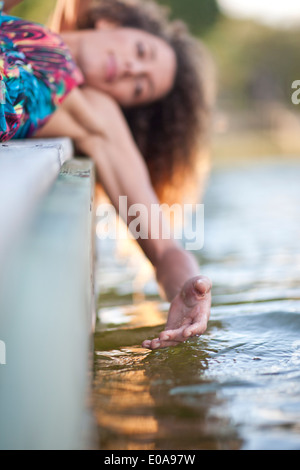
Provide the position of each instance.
(187, 331)
(197, 328)
(174, 337)
(157, 343)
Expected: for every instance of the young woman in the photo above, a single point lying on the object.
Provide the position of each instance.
(126, 89)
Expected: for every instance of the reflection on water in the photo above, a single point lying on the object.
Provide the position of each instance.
(237, 386)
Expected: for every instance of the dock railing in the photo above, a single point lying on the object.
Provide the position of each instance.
(46, 295)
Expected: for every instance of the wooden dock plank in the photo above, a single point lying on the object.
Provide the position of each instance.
(46, 317)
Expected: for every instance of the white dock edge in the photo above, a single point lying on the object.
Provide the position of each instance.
(46, 296)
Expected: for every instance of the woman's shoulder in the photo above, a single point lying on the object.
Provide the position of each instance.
(98, 97)
(104, 104)
(109, 111)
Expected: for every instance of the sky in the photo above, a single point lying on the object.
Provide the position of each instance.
(276, 12)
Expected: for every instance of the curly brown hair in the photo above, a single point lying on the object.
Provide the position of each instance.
(171, 132)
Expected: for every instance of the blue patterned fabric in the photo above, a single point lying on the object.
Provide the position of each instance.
(36, 74)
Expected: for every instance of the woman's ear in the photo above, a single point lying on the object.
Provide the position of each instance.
(105, 24)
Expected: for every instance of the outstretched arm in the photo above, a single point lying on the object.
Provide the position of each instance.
(99, 129)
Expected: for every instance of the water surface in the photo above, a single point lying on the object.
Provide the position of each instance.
(237, 386)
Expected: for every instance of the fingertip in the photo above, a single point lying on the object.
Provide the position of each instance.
(202, 285)
(164, 336)
(192, 331)
(187, 333)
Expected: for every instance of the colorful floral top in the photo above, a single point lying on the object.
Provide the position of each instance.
(36, 74)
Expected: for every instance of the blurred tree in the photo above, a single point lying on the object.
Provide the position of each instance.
(254, 61)
(200, 15)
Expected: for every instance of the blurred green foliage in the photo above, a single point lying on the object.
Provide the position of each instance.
(35, 10)
(200, 15)
(254, 62)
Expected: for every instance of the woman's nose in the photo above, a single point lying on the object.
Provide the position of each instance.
(134, 68)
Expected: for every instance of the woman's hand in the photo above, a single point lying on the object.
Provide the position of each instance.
(188, 315)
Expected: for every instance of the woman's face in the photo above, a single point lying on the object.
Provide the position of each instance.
(131, 65)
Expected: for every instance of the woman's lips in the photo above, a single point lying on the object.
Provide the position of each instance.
(111, 68)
